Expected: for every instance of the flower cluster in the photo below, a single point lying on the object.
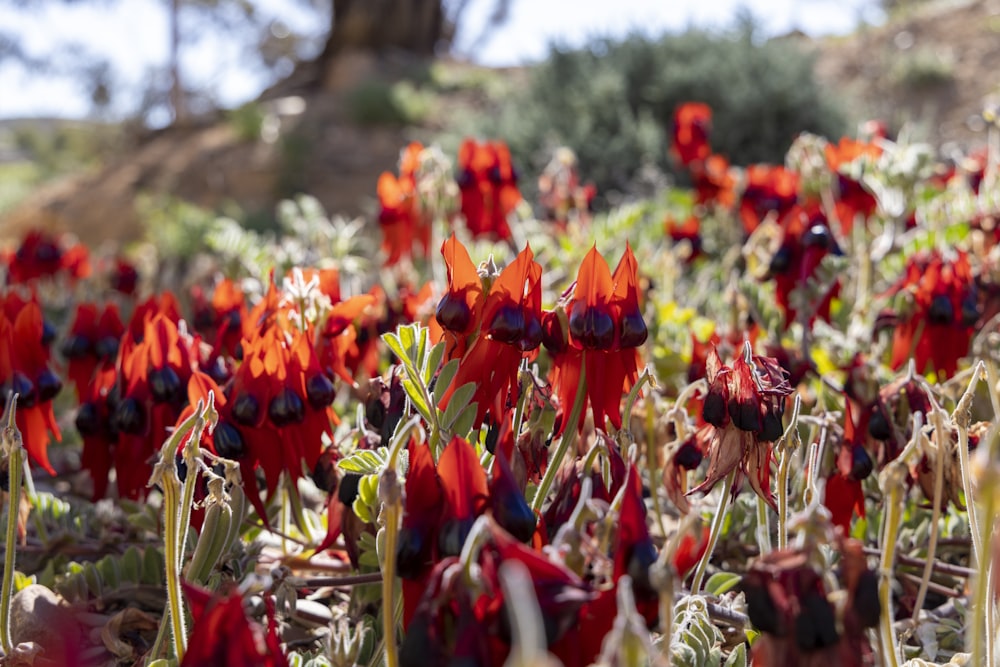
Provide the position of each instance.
(26, 370)
(743, 411)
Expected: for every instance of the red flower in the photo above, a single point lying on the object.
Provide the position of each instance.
(42, 255)
(401, 219)
(787, 602)
(123, 277)
(844, 497)
(24, 370)
(806, 240)
(937, 328)
(223, 635)
(743, 409)
(605, 329)
(689, 230)
(714, 182)
(510, 328)
(560, 193)
(488, 185)
(153, 372)
(853, 199)
(768, 188)
(692, 124)
(92, 340)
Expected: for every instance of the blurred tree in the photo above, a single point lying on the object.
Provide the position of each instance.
(421, 27)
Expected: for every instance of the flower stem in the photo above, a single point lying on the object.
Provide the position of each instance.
(784, 467)
(570, 433)
(10, 439)
(943, 450)
(716, 529)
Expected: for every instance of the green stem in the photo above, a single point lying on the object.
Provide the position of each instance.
(943, 446)
(890, 531)
(389, 585)
(763, 527)
(713, 536)
(784, 467)
(570, 434)
(175, 602)
(15, 452)
(981, 640)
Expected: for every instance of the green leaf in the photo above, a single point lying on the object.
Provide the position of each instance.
(433, 361)
(721, 582)
(463, 423)
(416, 397)
(365, 461)
(131, 565)
(153, 566)
(396, 345)
(408, 339)
(421, 356)
(459, 400)
(444, 379)
(738, 658)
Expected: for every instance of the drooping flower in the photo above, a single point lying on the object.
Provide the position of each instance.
(153, 373)
(692, 124)
(844, 497)
(223, 635)
(688, 231)
(847, 160)
(605, 328)
(939, 310)
(714, 182)
(806, 239)
(769, 190)
(510, 329)
(42, 254)
(25, 370)
(788, 603)
(404, 225)
(488, 185)
(93, 339)
(743, 408)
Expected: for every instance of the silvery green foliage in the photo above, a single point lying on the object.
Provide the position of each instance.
(894, 177)
(695, 641)
(308, 237)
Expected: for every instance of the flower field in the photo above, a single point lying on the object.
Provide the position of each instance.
(749, 420)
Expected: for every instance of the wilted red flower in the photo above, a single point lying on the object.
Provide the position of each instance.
(605, 328)
(806, 240)
(768, 189)
(510, 328)
(844, 497)
(853, 199)
(24, 370)
(400, 217)
(224, 636)
(743, 408)
(488, 184)
(937, 324)
(787, 601)
(692, 124)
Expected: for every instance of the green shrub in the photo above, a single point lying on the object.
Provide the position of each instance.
(613, 102)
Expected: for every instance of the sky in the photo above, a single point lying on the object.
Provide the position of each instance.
(133, 35)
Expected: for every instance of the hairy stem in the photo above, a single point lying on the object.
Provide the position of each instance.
(11, 442)
(716, 529)
(568, 439)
